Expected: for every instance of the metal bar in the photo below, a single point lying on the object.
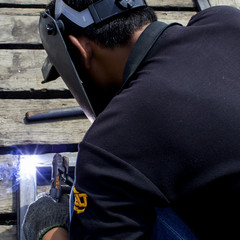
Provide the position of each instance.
(27, 189)
(202, 4)
(54, 114)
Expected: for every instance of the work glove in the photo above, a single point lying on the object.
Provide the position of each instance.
(45, 214)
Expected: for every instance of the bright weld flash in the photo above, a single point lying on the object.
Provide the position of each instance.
(28, 165)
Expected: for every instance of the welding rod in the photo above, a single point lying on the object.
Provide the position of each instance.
(54, 113)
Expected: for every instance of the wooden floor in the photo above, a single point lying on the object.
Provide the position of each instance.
(22, 55)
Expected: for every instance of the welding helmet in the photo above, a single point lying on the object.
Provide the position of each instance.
(60, 59)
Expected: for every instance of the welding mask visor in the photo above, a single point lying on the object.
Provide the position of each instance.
(60, 60)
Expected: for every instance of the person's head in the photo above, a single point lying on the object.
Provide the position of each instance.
(114, 33)
(100, 51)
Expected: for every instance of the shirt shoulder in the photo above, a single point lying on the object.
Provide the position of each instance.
(218, 15)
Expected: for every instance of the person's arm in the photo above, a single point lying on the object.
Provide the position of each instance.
(113, 200)
(56, 234)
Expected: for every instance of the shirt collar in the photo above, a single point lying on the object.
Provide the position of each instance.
(141, 48)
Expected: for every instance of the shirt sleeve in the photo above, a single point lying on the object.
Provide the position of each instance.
(113, 200)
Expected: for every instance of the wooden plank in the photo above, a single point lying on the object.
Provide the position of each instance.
(26, 12)
(7, 199)
(25, 1)
(233, 3)
(21, 25)
(164, 3)
(8, 232)
(14, 131)
(20, 70)
(8, 164)
(170, 3)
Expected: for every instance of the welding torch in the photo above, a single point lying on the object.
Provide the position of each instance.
(61, 182)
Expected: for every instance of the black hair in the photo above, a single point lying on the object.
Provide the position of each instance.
(117, 32)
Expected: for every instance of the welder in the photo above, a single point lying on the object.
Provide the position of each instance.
(162, 157)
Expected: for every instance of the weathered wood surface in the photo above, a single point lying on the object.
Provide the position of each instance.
(171, 3)
(14, 131)
(19, 25)
(8, 166)
(233, 3)
(20, 70)
(25, 1)
(8, 200)
(8, 232)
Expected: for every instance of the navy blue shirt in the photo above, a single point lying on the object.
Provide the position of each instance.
(170, 137)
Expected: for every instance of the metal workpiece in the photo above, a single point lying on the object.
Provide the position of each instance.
(27, 190)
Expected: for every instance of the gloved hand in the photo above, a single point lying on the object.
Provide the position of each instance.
(45, 214)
